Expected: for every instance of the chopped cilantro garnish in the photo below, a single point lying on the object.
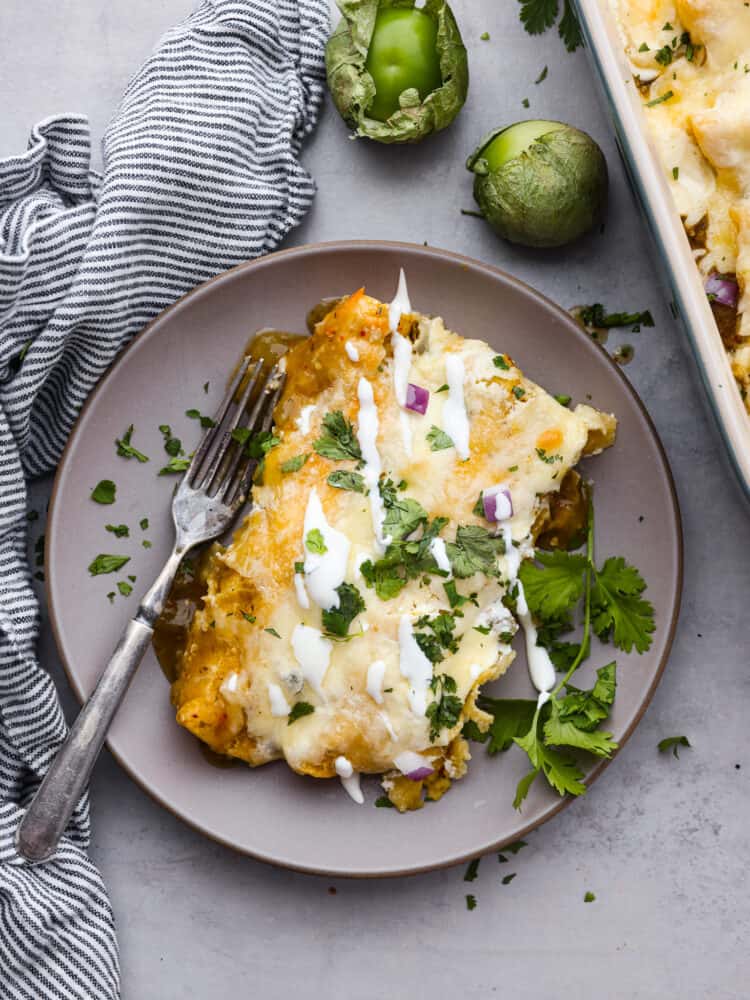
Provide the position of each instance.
(125, 588)
(172, 445)
(471, 902)
(673, 743)
(197, 415)
(507, 879)
(146, 543)
(483, 629)
(475, 550)
(273, 632)
(299, 709)
(500, 361)
(563, 400)
(126, 450)
(438, 439)
(342, 479)
(403, 560)
(143, 524)
(525, 102)
(445, 710)
(661, 99)
(338, 441)
(542, 76)
(596, 316)
(402, 516)
(516, 846)
(299, 567)
(315, 542)
(336, 621)
(111, 597)
(589, 897)
(294, 464)
(248, 618)
(443, 388)
(104, 492)
(472, 870)
(118, 530)
(175, 465)
(518, 391)
(643, 47)
(383, 802)
(485, 36)
(107, 564)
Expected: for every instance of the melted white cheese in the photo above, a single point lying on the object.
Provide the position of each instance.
(313, 653)
(351, 351)
(324, 572)
(367, 435)
(414, 666)
(279, 704)
(375, 675)
(349, 779)
(455, 418)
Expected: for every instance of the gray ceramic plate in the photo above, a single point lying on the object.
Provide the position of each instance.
(272, 813)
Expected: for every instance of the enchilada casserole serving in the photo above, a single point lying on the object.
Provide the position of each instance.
(374, 585)
(691, 61)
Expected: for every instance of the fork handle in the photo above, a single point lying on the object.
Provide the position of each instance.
(47, 816)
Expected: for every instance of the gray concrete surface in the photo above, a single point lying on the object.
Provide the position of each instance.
(662, 843)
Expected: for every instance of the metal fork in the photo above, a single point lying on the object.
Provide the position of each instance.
(205, 503)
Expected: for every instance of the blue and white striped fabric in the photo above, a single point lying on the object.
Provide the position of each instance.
(201, 171)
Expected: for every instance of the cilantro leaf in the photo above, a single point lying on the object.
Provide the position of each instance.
(438, 439)
(315, 542)
(343, 480)
(294, 464)
(175, 465)
(338, 442)
(172, 445)
(586, 709)
(104, 492)
(559, 731)
(455, 599)
(511, 717)
(403, 560)
(673, 743)
(118, 530)
(538, 15)
(125, 588)
(552, 590)
(619, 609)
(569, 28)
(402, 517)
(337, 620)
(475, 550)
(126, 450)
(107, 564)
(445, 710)
(299, 710)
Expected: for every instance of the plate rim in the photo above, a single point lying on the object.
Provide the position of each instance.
(304, 249)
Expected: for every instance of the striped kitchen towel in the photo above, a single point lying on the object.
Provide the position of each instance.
(201, 171)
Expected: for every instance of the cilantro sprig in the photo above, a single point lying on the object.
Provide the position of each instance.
(539, 15)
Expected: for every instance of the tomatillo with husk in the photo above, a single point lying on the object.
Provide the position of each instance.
(539, 183)
(397, 72)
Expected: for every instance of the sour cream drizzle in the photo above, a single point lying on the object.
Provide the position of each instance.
(349, 779)
(324, 572)
(440, 555)
(299, 585)
(541, 669)
(414, 666)
(375, 675)
(303, 420)
(402, 351)
(455, 418)
(313, 653)
(279, 704)
(351, 350)
(367, 435)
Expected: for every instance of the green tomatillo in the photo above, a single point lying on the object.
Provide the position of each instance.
(397, 72)
(539, 183)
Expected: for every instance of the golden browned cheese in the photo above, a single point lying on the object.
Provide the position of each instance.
(258, 649)
(692, 59)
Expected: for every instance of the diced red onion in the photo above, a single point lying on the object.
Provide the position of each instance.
(723, 290)
(497, 503)
(417, 398)
(420, 774)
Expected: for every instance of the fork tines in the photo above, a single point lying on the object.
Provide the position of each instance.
(222, 466)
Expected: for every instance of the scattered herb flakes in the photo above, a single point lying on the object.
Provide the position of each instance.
(563, 400)
(443, 388)
(126, 450)
(438, 439)
(472, 869)
(248, 618)
(662, 99)
(596, 316)
(445, 710)
(299, 710)
(676, 173)
(105, 563)
(299, 567)
(502, 859)
(197, 415)
(125, 588)
(344, 480)
(518, 391)
(273, 632)
(175, 465)
(507, 879)
(132, 579)
(315, 542)
(542, 76)
(111, 597)
(471, 901)
(205, 387)
(516, 846)
(485, 36)
(118, 530)
(294, 464)
(673, 743)
(104, 492)
(548, 459)
(146, 543)
(143, 524)
(336, 621)
(338, 440)
(383, 802)
(501, 361)
(525, 102)
(588, 897)
(172, 445)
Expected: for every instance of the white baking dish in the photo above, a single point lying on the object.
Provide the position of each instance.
(605, 51)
